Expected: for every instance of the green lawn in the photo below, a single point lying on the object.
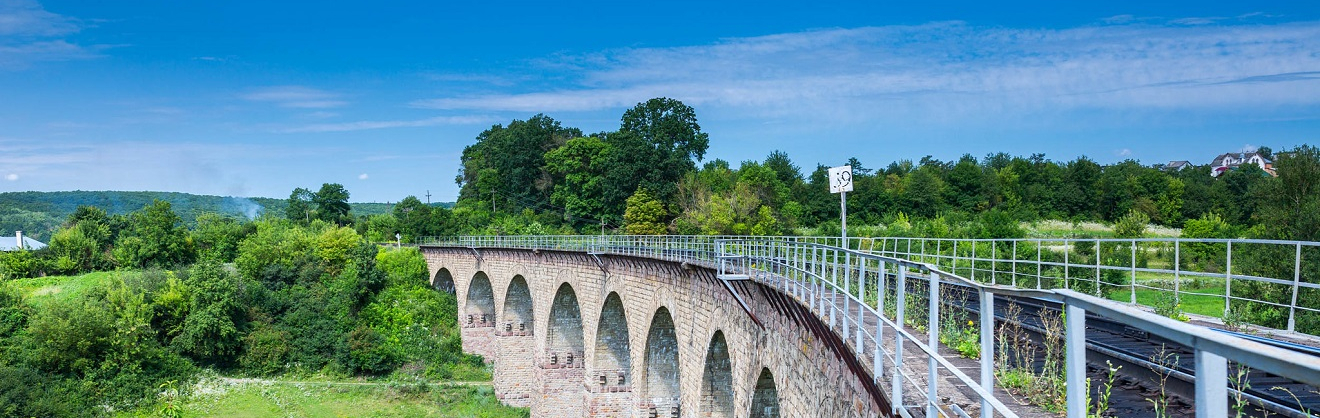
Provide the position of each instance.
(217, 397)
(1195, 304)
(43, 289)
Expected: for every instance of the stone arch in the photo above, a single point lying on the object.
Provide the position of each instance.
(479, 311)
(717, 379)
(613, 360)
(765, 396)
(662, 367)
(561, 372)
(443, 281)
(517, 317)
(564, 343)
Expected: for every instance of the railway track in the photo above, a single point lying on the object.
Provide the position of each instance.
(1145, 357)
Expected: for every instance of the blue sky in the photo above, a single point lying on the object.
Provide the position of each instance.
(256, 98)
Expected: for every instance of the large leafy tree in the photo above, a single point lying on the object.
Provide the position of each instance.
(581, 187)
(155, 237)
(299, 208)
(669, 129)
(508, 163)
(332, 203)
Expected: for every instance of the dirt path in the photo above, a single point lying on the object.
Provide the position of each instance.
(254, 381)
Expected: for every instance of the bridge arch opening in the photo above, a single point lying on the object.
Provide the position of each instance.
(564, 340)
(717, 379)
(613, 360)
(765, 397)
(517, 315)
(479, 312)
(443, 281)
(662, 369)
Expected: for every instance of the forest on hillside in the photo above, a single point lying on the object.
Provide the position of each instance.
(39, 214)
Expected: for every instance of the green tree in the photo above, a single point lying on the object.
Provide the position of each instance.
(299, 206)
(332, 204)
(580, 168)
(217, 237)
(645, 215)
(1132, 225)
(670, 129)
(507, 163)
(212, 331)
(155, 237)
(1290, 204)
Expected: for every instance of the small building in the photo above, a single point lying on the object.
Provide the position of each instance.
(1177, 165)
(1231, 161)
(20, 242)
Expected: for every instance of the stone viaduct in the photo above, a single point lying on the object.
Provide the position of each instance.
(573, 334)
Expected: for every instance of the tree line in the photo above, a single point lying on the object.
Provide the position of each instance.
(537, 176)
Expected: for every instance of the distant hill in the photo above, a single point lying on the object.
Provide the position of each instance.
(39, 214)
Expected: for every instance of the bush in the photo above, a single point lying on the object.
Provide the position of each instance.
(1132, 225)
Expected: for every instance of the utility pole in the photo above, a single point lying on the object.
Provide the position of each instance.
(428, 198)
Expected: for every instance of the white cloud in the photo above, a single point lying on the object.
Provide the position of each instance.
(365, 125)
(946, 71)
(296, 97)
(11, 177)
(362, 176)
(26, 18)
(30, 34)
(1125, 152)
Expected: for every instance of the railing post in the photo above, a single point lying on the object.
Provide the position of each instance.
(1067, 248)
(900, 297)
(1211, 385)
(932, 374)
(994, 262)
(955, 256)
(1228, 279)
(1039, 271)
(987, 350)
(1015, 263)
(973, 260)
(1132, 284)
(1177, 272)
(861, 301)
(1097, 267)
(1075, 359)
(1297, 280)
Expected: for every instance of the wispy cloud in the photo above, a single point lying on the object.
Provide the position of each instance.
(947, 70)
(30, 34)
(296, 97)
(365, 125)
(26, 18)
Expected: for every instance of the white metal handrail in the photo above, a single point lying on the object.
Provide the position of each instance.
(998, 261)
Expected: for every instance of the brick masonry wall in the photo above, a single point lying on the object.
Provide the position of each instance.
(789, 369)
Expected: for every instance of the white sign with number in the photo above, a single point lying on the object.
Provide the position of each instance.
(841, 179)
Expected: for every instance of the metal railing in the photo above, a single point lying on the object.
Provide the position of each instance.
(1228, 273)
(849, 289)
(1121, 269)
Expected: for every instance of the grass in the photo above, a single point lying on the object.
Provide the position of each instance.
(1196, 304)
(43, 289)
(221, 397)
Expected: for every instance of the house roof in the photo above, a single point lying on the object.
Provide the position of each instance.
(1177, 164)
(11, 244)
(1239, 156)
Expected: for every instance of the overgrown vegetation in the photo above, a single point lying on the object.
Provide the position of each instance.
(264, 298)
